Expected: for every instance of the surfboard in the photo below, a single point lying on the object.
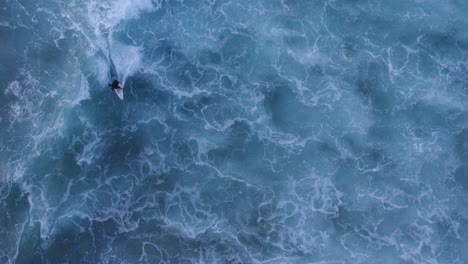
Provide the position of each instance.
(113, 73)
(119, 92)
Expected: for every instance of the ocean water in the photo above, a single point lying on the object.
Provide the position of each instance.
(252, 131)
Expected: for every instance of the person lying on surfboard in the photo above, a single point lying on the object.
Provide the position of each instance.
(115, 84)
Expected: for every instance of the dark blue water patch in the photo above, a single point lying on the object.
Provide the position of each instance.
(253, 227)
(130, 249)
(17, 14)
(14, 213)
(289, 22)
(41, 165)
(441, 42)
(208, 78)
(244, 151)
(354, 142)
(91, 175)
(289, 66)
(347, 177)
(351, 46)
(183, 153)
(372, 86)
(52, 59)
(185, 75)
(120, 147)
(360, 235)
(54, 175)
(321, 155)
(461, 145)
(293, 30)
(452, 228)
(364, 158)
(449, 253)
(103, 111)
(435, 173)
(238, 49)
(215, 109)
(462, 44)
(222, 197)
(288, 114)
(143, 89)
(14, 42)
(56, 185)
(458, 79)
(29, 250)
(166, 52)
(228, 83)
(193, 108)
(251, 158)
(274, 5)
(360, 21)
(15, 206)
(461, 176)
(409, 35)
(381, 133)
(14, 133)
(207, 57)
(73, 126)
(238, 133)
(164, 182)
(343, 221)
(426, 64)
(69, 166)
(427, 117)
(263, 75)
(78, 239)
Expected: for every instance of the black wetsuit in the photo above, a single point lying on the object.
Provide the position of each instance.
(115, 85)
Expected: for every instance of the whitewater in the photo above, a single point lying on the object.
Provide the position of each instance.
(252, 131)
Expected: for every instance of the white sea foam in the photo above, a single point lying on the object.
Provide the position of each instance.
(106, 15)
(317, 194)
(127, 59)
(13, 88)
(291, 217)
(101, 68)
(91, 145)
(83, 92)
(119, 10)
(103, 19)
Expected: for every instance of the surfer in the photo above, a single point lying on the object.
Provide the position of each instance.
(115, 84)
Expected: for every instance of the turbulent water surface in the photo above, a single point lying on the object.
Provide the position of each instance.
(252, 131)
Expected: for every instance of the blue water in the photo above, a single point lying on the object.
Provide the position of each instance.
(265, 131)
